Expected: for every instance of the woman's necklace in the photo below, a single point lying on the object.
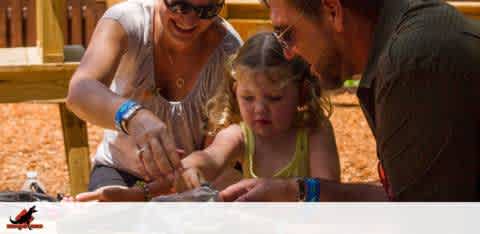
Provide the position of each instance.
(179, 80)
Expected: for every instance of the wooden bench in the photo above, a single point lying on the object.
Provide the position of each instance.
(249, 16)
(469, 8)
(35, 69)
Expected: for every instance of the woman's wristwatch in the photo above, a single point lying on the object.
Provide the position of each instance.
(125, 112)
(308, 189)
(301, 188)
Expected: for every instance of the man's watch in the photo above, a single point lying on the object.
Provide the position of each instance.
(301, 188)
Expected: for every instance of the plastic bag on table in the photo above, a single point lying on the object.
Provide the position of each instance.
(204, 193)
(25, 196)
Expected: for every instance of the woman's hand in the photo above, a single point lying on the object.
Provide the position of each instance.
(261, 190)
(157, 149)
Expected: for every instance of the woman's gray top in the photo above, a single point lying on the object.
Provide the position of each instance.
(135, 79)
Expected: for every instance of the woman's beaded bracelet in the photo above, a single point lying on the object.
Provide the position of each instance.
(125, 112)
(145, 189)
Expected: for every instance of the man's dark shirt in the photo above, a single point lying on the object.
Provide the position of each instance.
(420, 94)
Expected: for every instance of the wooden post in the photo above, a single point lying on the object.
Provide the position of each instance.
(90, 20)
(16, 32)
(50, 22)
(49, 30)
(75, 138)
(3, 24)
(112, 2)
(469, 8)
(31, 23)
(224, 11)
(248, 27)
(76, 22)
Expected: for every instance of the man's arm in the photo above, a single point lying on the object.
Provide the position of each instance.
(266, 189)
(333, 191)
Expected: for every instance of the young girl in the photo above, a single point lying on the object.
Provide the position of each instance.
(269, 116)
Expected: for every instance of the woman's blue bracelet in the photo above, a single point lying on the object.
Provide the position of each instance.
(312, 190)
(126, 108)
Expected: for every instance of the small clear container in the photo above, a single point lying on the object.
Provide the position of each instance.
(33, 184)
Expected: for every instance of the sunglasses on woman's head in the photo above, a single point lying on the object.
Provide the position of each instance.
(203, 12)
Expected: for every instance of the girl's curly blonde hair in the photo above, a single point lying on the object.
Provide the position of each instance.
(263, 54)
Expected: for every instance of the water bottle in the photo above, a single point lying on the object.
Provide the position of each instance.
(32, 184)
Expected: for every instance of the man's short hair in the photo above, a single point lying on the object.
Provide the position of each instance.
(308, 7)
(311, 8)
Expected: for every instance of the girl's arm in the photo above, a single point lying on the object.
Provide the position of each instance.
(324, 161)
(225, 149)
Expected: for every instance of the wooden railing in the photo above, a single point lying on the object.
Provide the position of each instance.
(17, 21)
(39, 72)
(469, 8)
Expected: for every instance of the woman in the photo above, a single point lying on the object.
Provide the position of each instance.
(164, 57)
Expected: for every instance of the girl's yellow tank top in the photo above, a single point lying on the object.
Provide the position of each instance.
(299, 165)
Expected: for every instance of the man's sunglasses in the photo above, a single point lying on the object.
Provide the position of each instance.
(203, 12)
(285, 36)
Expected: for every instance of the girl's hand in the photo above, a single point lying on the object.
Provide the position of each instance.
(190, 178)
(157, 149)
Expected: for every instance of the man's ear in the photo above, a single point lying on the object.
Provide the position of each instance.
(333, 12)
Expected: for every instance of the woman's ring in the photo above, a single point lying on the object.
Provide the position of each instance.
(141, 150)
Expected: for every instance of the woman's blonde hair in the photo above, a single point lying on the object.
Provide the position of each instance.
(263, 54)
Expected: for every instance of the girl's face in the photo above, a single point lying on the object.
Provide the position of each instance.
(265, 107)
(184, 27)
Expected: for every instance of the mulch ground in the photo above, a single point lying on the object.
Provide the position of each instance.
(31, 139)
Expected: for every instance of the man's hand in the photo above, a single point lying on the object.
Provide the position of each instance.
(261, 190)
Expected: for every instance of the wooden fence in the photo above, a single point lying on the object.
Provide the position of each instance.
(17, 21)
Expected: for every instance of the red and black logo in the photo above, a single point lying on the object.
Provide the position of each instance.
(24, 219)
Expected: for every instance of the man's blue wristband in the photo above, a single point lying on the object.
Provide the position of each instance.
(126, 107)
(313, 190)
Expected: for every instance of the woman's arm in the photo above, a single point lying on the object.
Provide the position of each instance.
(225, 149)
(89, 95)
(324, 161)
(90, 98)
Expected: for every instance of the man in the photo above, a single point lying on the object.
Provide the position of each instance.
(420, 61)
